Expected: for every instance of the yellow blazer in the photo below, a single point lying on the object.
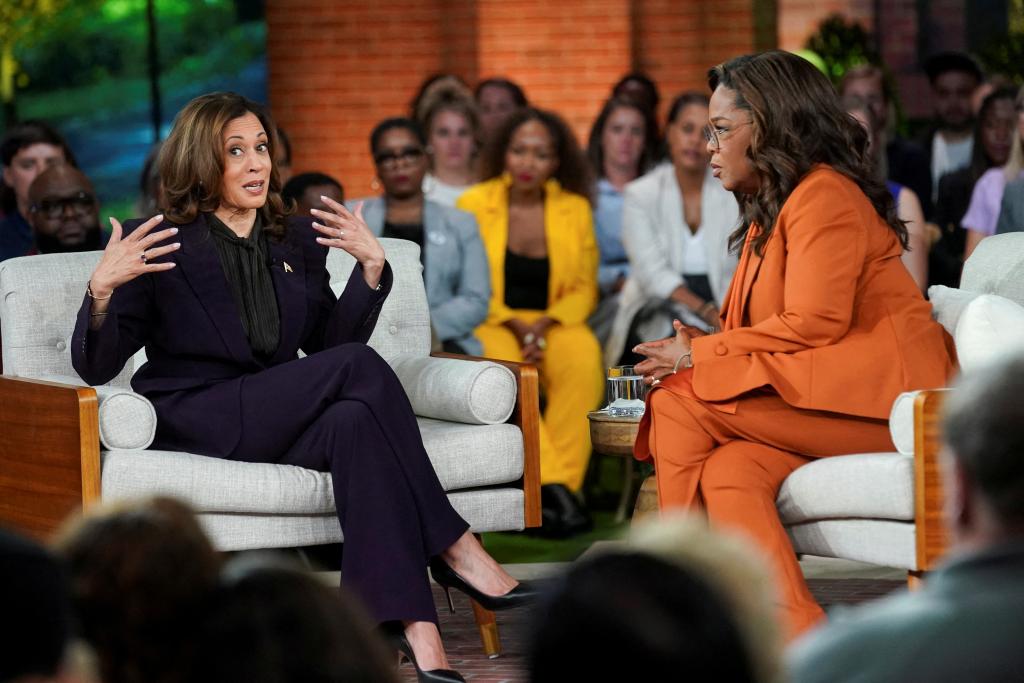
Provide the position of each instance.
(572, 248)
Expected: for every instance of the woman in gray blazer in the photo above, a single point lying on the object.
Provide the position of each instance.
(676, 222)
(455, 269)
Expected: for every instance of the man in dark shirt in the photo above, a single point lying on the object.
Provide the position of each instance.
(904, 162)
(63, 212)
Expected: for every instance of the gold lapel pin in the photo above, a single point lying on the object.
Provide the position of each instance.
(287, 268)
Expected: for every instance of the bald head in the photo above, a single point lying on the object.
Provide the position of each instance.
(63, 211)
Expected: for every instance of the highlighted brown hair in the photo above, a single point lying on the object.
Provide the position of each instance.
(796, 122)
(192, 160)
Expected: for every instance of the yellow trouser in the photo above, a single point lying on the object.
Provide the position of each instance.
(572, 377)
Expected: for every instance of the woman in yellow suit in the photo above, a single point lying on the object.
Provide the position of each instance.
(538, 230)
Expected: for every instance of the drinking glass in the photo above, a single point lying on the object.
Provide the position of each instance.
(625, 392)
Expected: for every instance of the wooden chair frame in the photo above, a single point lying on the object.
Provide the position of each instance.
(50, 457)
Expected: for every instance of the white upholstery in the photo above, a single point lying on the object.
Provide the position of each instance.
(989, 327)
(462, 408)
(869, 486)
(861, 507)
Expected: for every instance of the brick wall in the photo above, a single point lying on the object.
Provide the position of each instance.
(337, 68)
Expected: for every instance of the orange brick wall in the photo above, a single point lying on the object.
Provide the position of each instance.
(337, 68)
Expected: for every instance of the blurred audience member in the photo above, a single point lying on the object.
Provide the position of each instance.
(306, 190)
(498, 99)
(954, 76)
(63, 212)
(283, 156)
(448, 115)
(1011, 212)
(150, 187)
(676, 223)
(987, 196)
(732, 567)
(908, 206)
(427, 84)
(538, 231)
(967, 622)
(141, 576)
(37, 611)
(273, 623)
(903, 162)
(640, 87)
(630, 616)
(27, 149)
(454, 262)
(623, 145)
(993, 137)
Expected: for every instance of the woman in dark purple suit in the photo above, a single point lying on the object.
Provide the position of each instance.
(223, 311)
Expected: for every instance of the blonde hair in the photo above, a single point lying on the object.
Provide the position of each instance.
(1015, 164)
(731, 567)
(191, 160)
(448, 94)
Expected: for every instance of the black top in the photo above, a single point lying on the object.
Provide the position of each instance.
(526, 281)
(405, 231)
(247, 269)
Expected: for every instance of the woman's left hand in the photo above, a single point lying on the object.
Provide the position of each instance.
(342, 229)
(662, 354)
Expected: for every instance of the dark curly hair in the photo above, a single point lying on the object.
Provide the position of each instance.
(595, 151)
(797, 122)
(573, 171)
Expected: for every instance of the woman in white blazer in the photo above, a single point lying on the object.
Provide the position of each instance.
(675, 227)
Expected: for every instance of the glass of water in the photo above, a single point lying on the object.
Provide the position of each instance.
(625, 392)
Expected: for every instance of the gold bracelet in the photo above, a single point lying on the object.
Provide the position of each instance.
(88, 290)
(689, 361)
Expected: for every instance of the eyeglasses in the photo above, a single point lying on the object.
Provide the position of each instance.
(715, 134)
(392, 158)
(54, 207)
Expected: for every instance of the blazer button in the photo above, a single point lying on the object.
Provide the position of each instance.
(393, 329)
(721, 350)
(61, 345)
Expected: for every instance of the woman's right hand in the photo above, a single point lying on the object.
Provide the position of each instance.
(124, 259)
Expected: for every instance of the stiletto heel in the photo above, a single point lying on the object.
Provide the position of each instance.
(396, 636)
(448, 578)
(448, 594)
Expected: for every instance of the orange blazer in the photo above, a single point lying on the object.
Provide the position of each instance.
(829, 316)
(572, 248)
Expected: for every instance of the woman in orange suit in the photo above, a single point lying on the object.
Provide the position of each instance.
(538, 231)
(822, 327)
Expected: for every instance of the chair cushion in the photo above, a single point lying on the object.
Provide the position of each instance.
(869, 485)
(127, 419)
(989, 327)
(464, 456)
(472, 392)
(901, 422)
(948, 304)
(875, 541)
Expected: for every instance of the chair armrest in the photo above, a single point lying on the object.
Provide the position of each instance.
(456, 390)
(526, 416)
(49, 453)
(127, 419)
(931, 535)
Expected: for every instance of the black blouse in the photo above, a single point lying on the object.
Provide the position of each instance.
(526, 281)
(247, 268)
(406, 231)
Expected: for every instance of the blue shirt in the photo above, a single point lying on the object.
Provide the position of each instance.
(15, 236)
(608, 226)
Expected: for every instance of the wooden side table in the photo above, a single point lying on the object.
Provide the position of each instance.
(614, 435)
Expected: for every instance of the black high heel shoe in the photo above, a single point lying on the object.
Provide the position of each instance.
(446, 577)
(396, 636)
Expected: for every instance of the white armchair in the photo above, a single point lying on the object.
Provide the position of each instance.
(64, 444)
(885, 508)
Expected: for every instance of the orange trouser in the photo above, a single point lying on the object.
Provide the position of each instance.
(734, 464)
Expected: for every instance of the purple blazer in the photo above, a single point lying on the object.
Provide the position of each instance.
(197, 352)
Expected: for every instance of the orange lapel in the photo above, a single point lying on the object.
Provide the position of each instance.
(742, 280)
